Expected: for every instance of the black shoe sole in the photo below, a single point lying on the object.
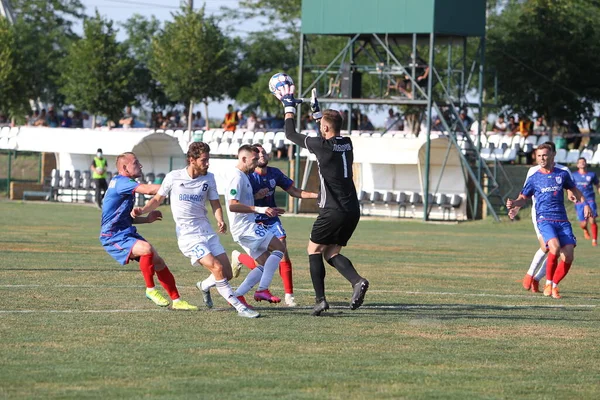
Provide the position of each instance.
(357, 299)
(323, 306)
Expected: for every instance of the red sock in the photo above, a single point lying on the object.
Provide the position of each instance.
(247, 261)
(285, 270)
(167, 280)
(551, 262)
(147, 269)
(594, 231)
(561, 271)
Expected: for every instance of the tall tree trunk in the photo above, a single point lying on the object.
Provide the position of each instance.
(206, 114)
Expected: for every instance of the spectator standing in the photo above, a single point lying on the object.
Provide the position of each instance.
(52, 120)
(86, 121)
(198, 122)
(231, 120)
(539, 127)
(98, 168)
(128, 119)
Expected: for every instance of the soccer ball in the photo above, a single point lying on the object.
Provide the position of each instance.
(278, 80)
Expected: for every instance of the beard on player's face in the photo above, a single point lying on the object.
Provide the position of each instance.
(262, 164)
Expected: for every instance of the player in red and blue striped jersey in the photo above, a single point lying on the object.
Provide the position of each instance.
(547, 185)
(264, 180)
(586, 181)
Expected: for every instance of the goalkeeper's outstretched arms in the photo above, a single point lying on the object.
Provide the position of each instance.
(285, 94)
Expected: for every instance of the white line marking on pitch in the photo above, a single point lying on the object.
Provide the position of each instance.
(365, 307)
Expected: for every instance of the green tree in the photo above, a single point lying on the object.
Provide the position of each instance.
(545, 52)
(44, 33)
(140, 33)
(98, 71)
(13, 98)
(191, 58)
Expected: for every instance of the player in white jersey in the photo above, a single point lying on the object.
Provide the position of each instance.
(189, 189)
(531, 281)
(255, 239)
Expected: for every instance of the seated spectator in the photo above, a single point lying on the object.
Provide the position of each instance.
(4, 119)
(242, 122)
(365, 124)
(198, 122)
(128, 119)
(52, 119)
(525, 126)
(77, 119)
(500, 125)
(252, 122)
(539, 127)
(512, 127)
(67, 120)
(437, 125)
(465, 121)
(34, 117)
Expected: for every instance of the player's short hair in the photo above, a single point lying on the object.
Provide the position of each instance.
(120, 159)
(258, 146)
(334, 119)
(582, 158)
(247, 148)
(196, 149)
(546, 146)
(551, 144)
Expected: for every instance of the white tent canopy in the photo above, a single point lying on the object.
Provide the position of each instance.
(75, 148)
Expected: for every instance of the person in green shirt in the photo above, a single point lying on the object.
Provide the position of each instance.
(98, 168)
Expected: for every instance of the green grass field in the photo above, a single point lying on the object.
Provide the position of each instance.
(445, 317)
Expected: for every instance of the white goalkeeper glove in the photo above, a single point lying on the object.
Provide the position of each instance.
(314, 105)
(285, 94)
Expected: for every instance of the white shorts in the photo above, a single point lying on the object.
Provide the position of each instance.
(197, 246)
(535, 227)
(255, 241)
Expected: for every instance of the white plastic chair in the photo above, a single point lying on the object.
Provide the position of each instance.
(561, 156)
(572, 156)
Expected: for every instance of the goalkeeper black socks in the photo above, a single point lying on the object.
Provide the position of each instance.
(345, 267)
(317, 274)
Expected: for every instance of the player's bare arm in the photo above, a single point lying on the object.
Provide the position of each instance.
(236, 206)
(301, 194)
(150, 206)
(218, 213)
(587, 211)
(147, 188)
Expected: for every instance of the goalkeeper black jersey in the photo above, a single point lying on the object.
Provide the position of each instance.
(334, 157)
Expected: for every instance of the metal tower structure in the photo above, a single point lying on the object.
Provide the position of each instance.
(6, 11)
(385, 32)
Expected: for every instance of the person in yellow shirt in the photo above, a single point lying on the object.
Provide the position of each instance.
(98, 168)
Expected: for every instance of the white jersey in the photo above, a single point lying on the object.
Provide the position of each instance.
(532, 171)
(239, 188)
(188, 201)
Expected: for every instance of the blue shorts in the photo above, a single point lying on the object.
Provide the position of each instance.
(119, 245)
(276, 229)
(557, 229)
(579, 209)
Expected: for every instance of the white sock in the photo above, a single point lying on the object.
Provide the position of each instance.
(177, 300)
(225, 290)
(252, 279)
(554, 285)
(537, 258)
(149, 289)
(271, 265)
(208, 283)
(541, 272)
(549, 283)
